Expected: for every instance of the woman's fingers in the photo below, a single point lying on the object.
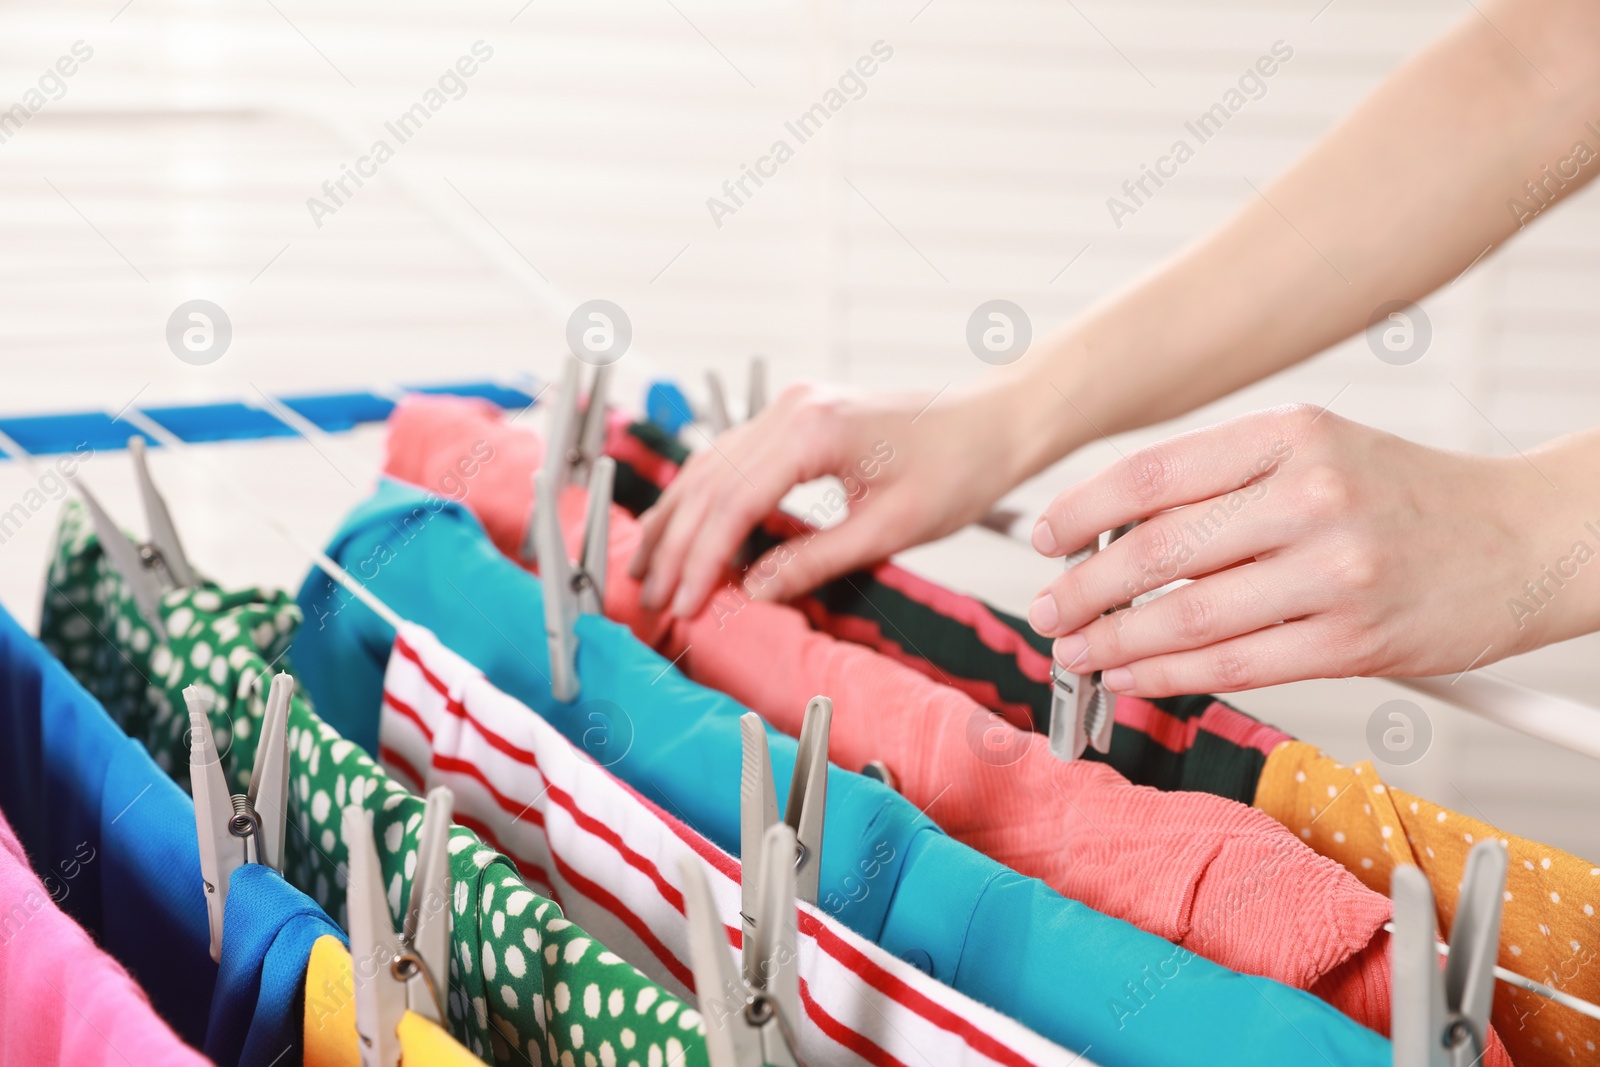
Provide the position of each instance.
(1182, 543)
(671, 546)
(1193, 466)
(656, 518)
(735, 507)
(1273, 655)
(1218, 607)
(724, 491)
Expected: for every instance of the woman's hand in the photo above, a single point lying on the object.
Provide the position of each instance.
(912, 470)
(1319, 548)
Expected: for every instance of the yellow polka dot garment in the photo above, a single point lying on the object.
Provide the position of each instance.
(1549, 932)
(525, 985)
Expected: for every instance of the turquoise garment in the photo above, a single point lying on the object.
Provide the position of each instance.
(1081, 979)
(113, 838)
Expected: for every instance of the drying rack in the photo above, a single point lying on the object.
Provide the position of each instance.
(1555, 719)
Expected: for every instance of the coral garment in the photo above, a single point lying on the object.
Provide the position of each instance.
(1198, 870)
(66, 1001)
(1549, 932)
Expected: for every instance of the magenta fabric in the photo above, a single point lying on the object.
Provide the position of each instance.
(1214, 875)
(62, 999)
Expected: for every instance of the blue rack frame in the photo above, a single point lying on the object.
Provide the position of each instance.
(48, 435)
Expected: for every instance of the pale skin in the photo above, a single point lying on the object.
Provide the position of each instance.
(1347, 551)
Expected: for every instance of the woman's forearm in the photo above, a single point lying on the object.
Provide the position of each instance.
(1395, 201)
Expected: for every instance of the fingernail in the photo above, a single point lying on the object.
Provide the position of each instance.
(682, 606)
(1044, 541)
(1118, 679)
(1042, 614)
(650, 598)
(1070, 649)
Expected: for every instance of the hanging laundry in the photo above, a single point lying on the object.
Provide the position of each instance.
(1005, 940)
(114, 840)
(1178, 743)
(620, 856)
(67, 1003)
(330, 1019)
(1549, 931)
(515, 957)
(1210, 874)
(1195, 743)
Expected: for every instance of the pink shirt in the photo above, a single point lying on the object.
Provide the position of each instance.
(64, 1000)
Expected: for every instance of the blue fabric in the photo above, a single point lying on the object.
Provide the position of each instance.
(267, 934)
(1072, 974)
(113, 837)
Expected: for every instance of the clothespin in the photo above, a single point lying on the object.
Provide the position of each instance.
(749, 1011)
(578, 431)
(236, 829)
(164, 544)
(717, 405)
(590, 437)
(397, 972)
(808, 798)
(152, 567)
(1082, 709)
(571, 589)
(576, 435)
(1442, 1020)
(717, 415)
(758, 387)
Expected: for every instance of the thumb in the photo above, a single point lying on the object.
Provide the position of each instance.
(809, 559)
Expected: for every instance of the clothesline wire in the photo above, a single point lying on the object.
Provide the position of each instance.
(1582, 1007)
(308, 430)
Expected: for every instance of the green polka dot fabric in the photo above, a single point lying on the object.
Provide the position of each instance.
(525, 985)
